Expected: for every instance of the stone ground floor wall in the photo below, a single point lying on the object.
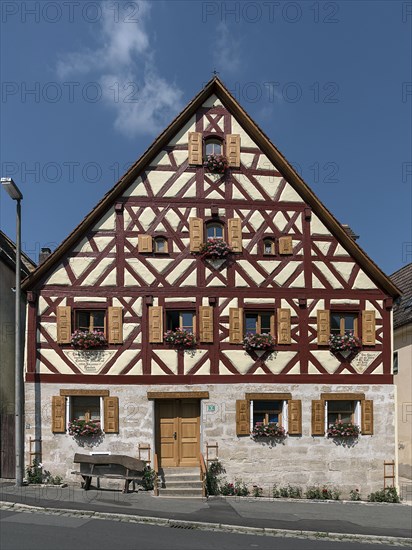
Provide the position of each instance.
(300, 460)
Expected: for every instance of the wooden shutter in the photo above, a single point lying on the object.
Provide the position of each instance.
(323, 326)
(58, 414)
(368, 328)
(242, 417)
(64, 324)
(145, 243)
(196, 234)
(284, 336)
(233, 150)
(111, 414)
(318, 417)
(235, 234)
(236, 325)
(115, 325)
(206, 323)
(156, 324)
(367, 417)
(285, 245)
(195, 148)
(295, 416)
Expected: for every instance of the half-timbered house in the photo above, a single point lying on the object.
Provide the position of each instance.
(136, 268)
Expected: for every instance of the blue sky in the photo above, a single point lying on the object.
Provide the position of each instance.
(87, 86)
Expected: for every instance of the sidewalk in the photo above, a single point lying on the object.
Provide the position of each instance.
(289, 517)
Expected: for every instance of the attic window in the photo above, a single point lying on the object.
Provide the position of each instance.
(160, 245)
(407, 304)
(213, 147)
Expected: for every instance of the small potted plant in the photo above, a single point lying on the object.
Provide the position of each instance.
(345, 344)
(259, 342)
(80, 428)
(217, 164)
(343, 430)
(216, 249)
(272, 430)
(85, 339)
(179, 338)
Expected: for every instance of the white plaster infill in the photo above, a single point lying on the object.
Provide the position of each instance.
(89, 361)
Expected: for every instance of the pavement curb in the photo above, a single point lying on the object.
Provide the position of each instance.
(204, 526)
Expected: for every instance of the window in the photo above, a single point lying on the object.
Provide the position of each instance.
(183, 320)
(265, 412)
(213, 146)
(344, 323)
(395, 362)
(214, 230)
(160, 245)
(259, 323)
(85, 407)
(269, 247)
(340, 411)
(90, 320)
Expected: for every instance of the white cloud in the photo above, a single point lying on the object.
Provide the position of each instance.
(142, 99)
(226, 50)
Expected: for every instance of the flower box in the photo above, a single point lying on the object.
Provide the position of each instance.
(344, 343)
(79, 428)
(180, 339)
(216, 249)
(259, 342)
(84, 339)
(216, 164)
(272, 430)
(343, 430)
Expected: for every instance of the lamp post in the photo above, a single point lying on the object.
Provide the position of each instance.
(16, 195)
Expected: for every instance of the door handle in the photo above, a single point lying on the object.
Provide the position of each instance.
(174, 435)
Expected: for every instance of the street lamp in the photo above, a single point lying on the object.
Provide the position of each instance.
(16, 195)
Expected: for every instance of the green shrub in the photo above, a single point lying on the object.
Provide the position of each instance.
(148, 478)
(238, 488)
(34, 473)
(390, 494)
(355, 495)
(289, 491)
(322, 493)
(257, 491)
(214, 471)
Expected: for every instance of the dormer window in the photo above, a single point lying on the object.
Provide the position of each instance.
(160, 245)
(213, 147)
(214, 230)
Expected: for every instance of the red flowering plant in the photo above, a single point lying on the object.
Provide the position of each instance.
(78, 427)
(268, 430)
(180, 339)
(344, 342)
(216, 249)
(85, 339)
(263, 342)
(217, 164)
(343, 430)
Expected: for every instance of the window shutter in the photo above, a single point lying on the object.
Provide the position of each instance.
(295, 416)
(206, 323)
(196, 234)
(58, 414)
(236, 325)
(111, 415)
(145, 243)
(235, 234)
(156, 324)
(195, 148)
(367, 417)
(318, 417)
(368, 328)
(284, 336)
(115, 325)
(285, 245)
(233, 150)
(242, 417)
(64, 324)
(323, 327)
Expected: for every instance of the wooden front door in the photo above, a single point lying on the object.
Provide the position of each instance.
(178, 432)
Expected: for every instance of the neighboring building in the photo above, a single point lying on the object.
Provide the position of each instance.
(7, 349)
(132, 269)
(402, 367)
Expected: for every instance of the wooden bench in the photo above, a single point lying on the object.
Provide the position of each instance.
(109, 467)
